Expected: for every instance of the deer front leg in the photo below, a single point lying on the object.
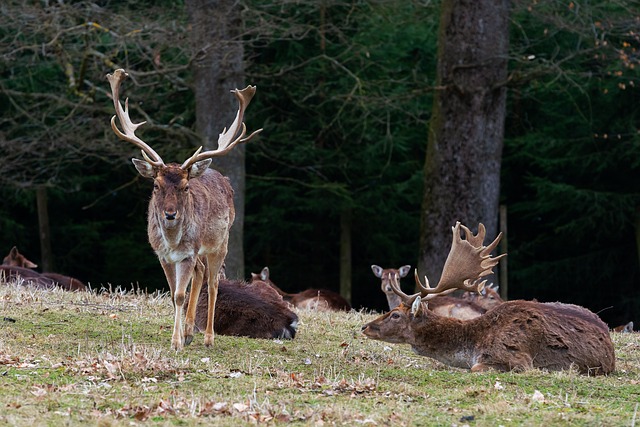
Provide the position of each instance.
(194, 295)
(183, 271)
(214, 263)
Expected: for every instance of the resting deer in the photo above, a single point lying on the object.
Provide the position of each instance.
(310, 299)
(47, 279)
(252, 310)
(516, 335)
(470, 305)
(626, 328)
(190, 212)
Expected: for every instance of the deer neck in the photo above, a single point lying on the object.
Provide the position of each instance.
(448, 340)
(173, 241)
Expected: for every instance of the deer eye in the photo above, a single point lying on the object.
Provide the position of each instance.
(186, 188)
(156, 186)
(395, 316)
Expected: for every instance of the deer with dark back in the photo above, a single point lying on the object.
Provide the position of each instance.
(468, 306)
(16, 265)
(309, 299)
(190, 212)
(252, 310)
(515, 335)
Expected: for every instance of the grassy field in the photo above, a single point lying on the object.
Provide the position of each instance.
(105, 359)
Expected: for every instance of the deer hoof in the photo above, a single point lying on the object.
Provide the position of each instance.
(188, 339)
(208, 340)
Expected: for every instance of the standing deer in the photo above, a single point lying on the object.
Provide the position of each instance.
(190, 212)
(47, 279)
(516, 335)
(468, 306)
(310, 299)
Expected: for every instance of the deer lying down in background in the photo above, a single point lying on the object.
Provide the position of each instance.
(311, 299)
(516, 335)
(468, 306)
(47, 280)
(626, 328)
(243, 309)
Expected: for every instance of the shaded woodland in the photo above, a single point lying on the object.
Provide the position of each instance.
(345, 96)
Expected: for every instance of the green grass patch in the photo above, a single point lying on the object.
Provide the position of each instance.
(105, 359)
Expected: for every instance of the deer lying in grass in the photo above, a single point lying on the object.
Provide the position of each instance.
(190, 212)
(468, 306)
(310, 299)
(252, 310)
(25, 271)
(626, 328)
(516, 335)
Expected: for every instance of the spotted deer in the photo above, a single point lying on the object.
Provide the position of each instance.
(515, 335)
(190, 212)
(468, 306)
(16, 265)
(310, 299)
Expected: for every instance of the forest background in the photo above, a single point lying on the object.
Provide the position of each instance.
(345, 94)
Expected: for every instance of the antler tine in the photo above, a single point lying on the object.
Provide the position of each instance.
(226, 139)
(128, 126)
(426, 291)
(468, 261)
(395, 286)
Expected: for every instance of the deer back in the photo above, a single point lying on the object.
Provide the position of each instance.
(9, 273)
(309, 299)
(252, 310)
(16, 259)
(320, 300)
(517, 335)
(449, 306)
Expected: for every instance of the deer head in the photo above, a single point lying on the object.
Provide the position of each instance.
(16, 259)
(385, 274)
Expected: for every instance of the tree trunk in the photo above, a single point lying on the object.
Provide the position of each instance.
(345, 254)
(218, 67)
(462, 168)
(46, 254)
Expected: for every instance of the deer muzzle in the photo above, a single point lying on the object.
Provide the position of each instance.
(170, 215)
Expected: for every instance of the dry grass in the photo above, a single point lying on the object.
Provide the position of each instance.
(104, 359)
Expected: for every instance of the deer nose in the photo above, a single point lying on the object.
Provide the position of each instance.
(170, 215)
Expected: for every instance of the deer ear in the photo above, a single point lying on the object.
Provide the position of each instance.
(144, 168)
(404, 270)
(264, 274)
(377, 271)
(198, 168)
(416, 307)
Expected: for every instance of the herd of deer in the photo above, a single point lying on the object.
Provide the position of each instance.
(189, 216)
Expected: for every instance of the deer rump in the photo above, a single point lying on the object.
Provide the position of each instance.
(251, 310)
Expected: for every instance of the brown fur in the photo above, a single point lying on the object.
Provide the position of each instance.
(311, 299)
(252, 310)
(516, 335)
(47, 279)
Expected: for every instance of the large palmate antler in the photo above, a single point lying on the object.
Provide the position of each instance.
(128, 126)
(467, 263)
(226, 139)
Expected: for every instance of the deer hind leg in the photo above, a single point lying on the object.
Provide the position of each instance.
(183, 272)
(214, 263)
(194, 295)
